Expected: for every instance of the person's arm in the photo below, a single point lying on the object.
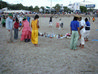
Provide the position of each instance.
(38, 24)
(21, 27)
(70, 31)
(81, 27)
(31, 24)
(79, 33)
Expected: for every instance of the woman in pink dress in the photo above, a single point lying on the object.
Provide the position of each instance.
(26, 31)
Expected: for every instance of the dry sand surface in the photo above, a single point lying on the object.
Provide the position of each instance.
(53, 56)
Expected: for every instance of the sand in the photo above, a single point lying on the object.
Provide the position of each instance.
(53, 56)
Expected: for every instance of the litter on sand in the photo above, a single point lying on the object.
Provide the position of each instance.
(58, 36)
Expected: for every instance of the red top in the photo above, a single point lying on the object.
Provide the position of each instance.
(16, 25)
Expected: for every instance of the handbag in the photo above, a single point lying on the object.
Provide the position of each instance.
(87, 28)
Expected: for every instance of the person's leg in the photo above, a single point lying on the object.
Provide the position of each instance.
(14, 33)
(11, 36)
(72, 40)
(76, 39)
(82, 42)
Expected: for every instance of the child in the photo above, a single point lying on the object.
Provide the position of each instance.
(16, 25)
(93, 19)
(20, 24)
(60, 23)
(50, 22)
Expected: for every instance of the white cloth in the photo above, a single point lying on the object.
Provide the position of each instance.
(82, 31)
(87, 33)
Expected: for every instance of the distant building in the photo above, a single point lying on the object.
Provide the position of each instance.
(76, 6)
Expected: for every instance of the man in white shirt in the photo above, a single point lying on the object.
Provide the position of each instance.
(9, 27)
(82, 31)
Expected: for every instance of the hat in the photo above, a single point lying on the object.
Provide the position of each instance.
(77, 16)
(10, 15)
(24, 17)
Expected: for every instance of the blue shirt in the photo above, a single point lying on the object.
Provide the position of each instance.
(74, 25)
(9, 23)
(87, 23)
(20, 24)
(28, 18)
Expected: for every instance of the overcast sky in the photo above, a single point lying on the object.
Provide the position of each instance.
(47, 2)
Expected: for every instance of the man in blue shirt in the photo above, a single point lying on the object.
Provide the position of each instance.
(75, 31)
(9, 27)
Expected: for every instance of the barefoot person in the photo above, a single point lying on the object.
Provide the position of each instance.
(75, 31)
(82, 31)
(34, 34)
(9, 27)
(26, 31)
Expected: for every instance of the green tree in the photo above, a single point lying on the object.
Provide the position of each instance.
(30, 8)
(57, 7)
(90, 10)
(42, 8)
(83, 9)
(36, 9)
(3, 4)
(65, 8)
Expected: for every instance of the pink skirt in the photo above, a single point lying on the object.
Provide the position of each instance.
(25, 35)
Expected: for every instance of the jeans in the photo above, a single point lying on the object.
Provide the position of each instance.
(15, 33)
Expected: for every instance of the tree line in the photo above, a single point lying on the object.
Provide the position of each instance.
(36, 8)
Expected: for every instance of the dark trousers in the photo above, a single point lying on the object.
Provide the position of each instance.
(15, 33)
(3, 24)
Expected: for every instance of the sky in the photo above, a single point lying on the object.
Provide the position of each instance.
(47, 2)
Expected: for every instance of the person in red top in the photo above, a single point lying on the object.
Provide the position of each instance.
(16, 25)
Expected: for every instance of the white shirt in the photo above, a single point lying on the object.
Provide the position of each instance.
(9, 23)
(82, 23)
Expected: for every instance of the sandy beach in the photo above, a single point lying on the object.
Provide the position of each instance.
(53, 56)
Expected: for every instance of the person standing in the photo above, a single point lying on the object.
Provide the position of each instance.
(93, 19)
(50, 22)
(26, 31)
(82, 31)
(3, 21)
(9, 27)
(75, 33)
(16, 25)
(87, 28)
(35, 26)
